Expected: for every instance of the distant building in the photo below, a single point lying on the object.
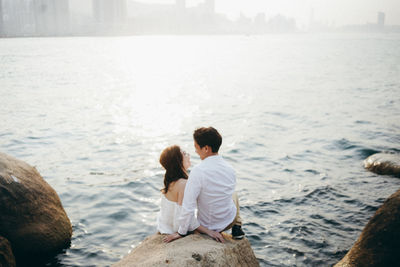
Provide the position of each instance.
(1, 18)
(179, 21)
(208, 19)
(51, 17)
(109, 11)
(180, 4)
(243, 24)
(260, 23)
(209, 6)
(110, 15)
(381, 19)
(120, 11)
(280, 23)
(102, 10)
(260, 20)
(16, 18)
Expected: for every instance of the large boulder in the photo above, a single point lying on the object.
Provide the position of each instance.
(193, 250)
(379, 242)
(31, 215)
(6, 256)
(384, 163)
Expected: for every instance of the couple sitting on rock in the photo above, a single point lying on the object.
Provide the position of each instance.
(210, 188)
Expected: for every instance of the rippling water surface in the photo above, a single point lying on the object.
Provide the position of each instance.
(298, 114)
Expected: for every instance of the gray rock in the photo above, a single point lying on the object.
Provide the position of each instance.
(193, 250)
(384, 163)
(31, 215)
(379, 242)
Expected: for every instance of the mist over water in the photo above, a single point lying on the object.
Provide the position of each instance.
(298, 114)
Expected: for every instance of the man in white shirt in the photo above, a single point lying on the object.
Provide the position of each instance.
(211, 189)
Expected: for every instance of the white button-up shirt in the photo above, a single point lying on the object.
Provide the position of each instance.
(209, 188)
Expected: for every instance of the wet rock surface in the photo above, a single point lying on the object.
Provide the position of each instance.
(31, 214)
(379, 242)
(6, 256)
(384, 163)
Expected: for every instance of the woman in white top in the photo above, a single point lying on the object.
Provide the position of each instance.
(176, 163)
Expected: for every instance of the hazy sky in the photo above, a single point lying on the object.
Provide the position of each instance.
(337, 12)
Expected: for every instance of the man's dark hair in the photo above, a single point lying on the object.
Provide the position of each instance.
(208, 136)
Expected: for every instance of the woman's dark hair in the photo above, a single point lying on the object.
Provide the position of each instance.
(208, 136)
(172, 160)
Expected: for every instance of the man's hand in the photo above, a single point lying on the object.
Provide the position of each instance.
(171, 237)
(216, 235)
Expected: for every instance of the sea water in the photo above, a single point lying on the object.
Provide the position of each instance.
(298, 115)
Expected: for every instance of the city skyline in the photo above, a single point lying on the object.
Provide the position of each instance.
(127, 17)
(338, 12)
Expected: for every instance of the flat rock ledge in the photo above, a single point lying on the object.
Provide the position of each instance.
(193, 250)
(379, 242)
(384, 163)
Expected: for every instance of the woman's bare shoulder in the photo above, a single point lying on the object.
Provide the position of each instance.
(181, 183)
(178, 185)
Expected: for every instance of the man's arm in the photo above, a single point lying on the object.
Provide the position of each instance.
(189, 204)
(213, 234)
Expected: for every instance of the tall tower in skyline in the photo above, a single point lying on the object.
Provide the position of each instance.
(109, 12)
(61, 10)
(16, 18)
(381, 19)
(51, 17)
(311, 19)
(101, 10)
(209, 6)
(180, 4)
(1, 18)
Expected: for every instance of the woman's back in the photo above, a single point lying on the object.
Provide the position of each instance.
(176, 191)
(171, 207)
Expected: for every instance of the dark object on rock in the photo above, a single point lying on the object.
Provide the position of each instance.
(31, 215)
(384, 163)
(197, 256)
(379, 242)
(237, 232)
(192, 250)
(6, 256)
